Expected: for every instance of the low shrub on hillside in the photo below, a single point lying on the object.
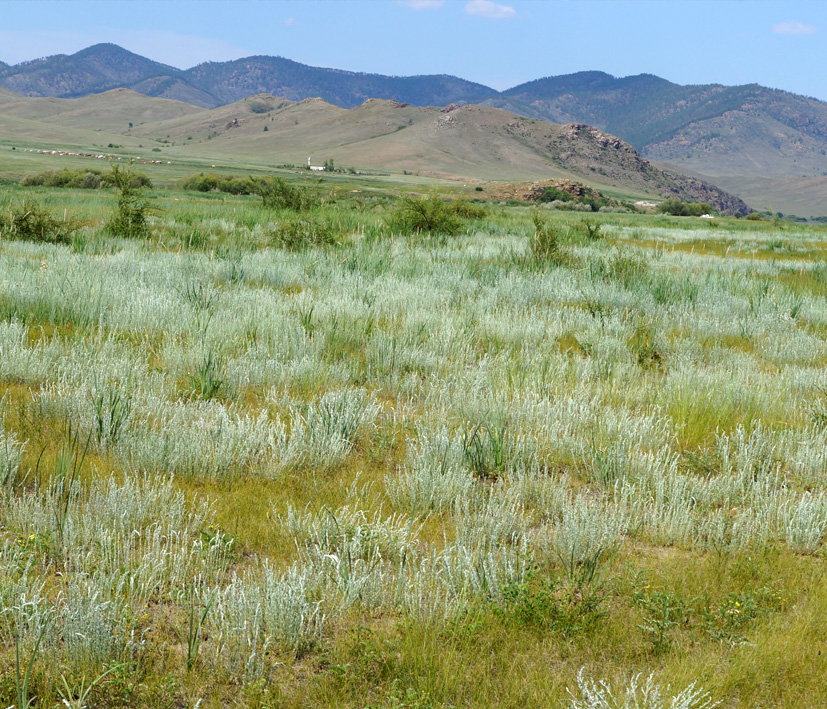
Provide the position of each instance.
(560, 199)
(468, 210)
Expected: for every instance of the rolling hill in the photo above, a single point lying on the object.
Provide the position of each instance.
(461, 142)
(112, 110)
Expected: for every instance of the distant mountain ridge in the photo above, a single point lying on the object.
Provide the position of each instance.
(725, 133)
(107, 66)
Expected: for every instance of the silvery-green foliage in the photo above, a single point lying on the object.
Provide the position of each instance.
(482, 571)
(137, 536)
(331, 530)
(203, 439)
(355, 572)
(24, 610)
(89, 631)
(235, 623)
(539, 489)
(730, 530)
(324, 432)
(637, 694)
(435, 474)
(491, 520)
(290, 619)
(141, 500)
(105, 409)
(24, 362)
(11, 453)
(587, 534)
(803, 522)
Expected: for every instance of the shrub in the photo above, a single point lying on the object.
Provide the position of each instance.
(32, 222)
(276, 193)
(677, 208)
(201, 182)
(89, 179)
(129, 219)
(648, 695)
(545, 245)
(417, 214)
(591, 201)
(300, 233)
(591, 230)
(468, 210)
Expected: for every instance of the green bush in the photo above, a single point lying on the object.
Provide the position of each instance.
(433, 215)
(545, 244)
(676, 208)
(201, 182)
(276, 193)
(89, 179)
(466, 209)
(298, 233)
(130, 217)
(32, 222)
(593, 201)
(212, 182)
(591, 230)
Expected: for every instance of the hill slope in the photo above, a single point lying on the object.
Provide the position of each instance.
(710, 129)
(714, 129)
(112, 110)
(465, 142)
(456, 141)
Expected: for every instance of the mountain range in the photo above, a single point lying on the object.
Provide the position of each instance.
(764, 144)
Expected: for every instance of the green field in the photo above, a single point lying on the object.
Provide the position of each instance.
(409, 470)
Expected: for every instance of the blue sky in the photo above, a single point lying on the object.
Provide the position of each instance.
(500, 43)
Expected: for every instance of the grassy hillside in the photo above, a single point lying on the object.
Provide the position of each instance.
(111, 111)
(456, 142)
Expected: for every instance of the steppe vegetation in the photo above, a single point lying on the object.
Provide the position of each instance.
(315, 452)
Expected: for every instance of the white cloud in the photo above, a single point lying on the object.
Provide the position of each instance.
(290, 21)
(424, 4)
(793, 28)
(491, 10)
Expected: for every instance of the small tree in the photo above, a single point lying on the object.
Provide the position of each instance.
(130, 217)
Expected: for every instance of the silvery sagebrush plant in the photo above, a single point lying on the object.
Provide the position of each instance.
(637, 694)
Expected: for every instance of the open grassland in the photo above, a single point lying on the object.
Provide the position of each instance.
(411, 471)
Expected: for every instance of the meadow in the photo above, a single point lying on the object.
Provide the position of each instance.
(555, 460)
